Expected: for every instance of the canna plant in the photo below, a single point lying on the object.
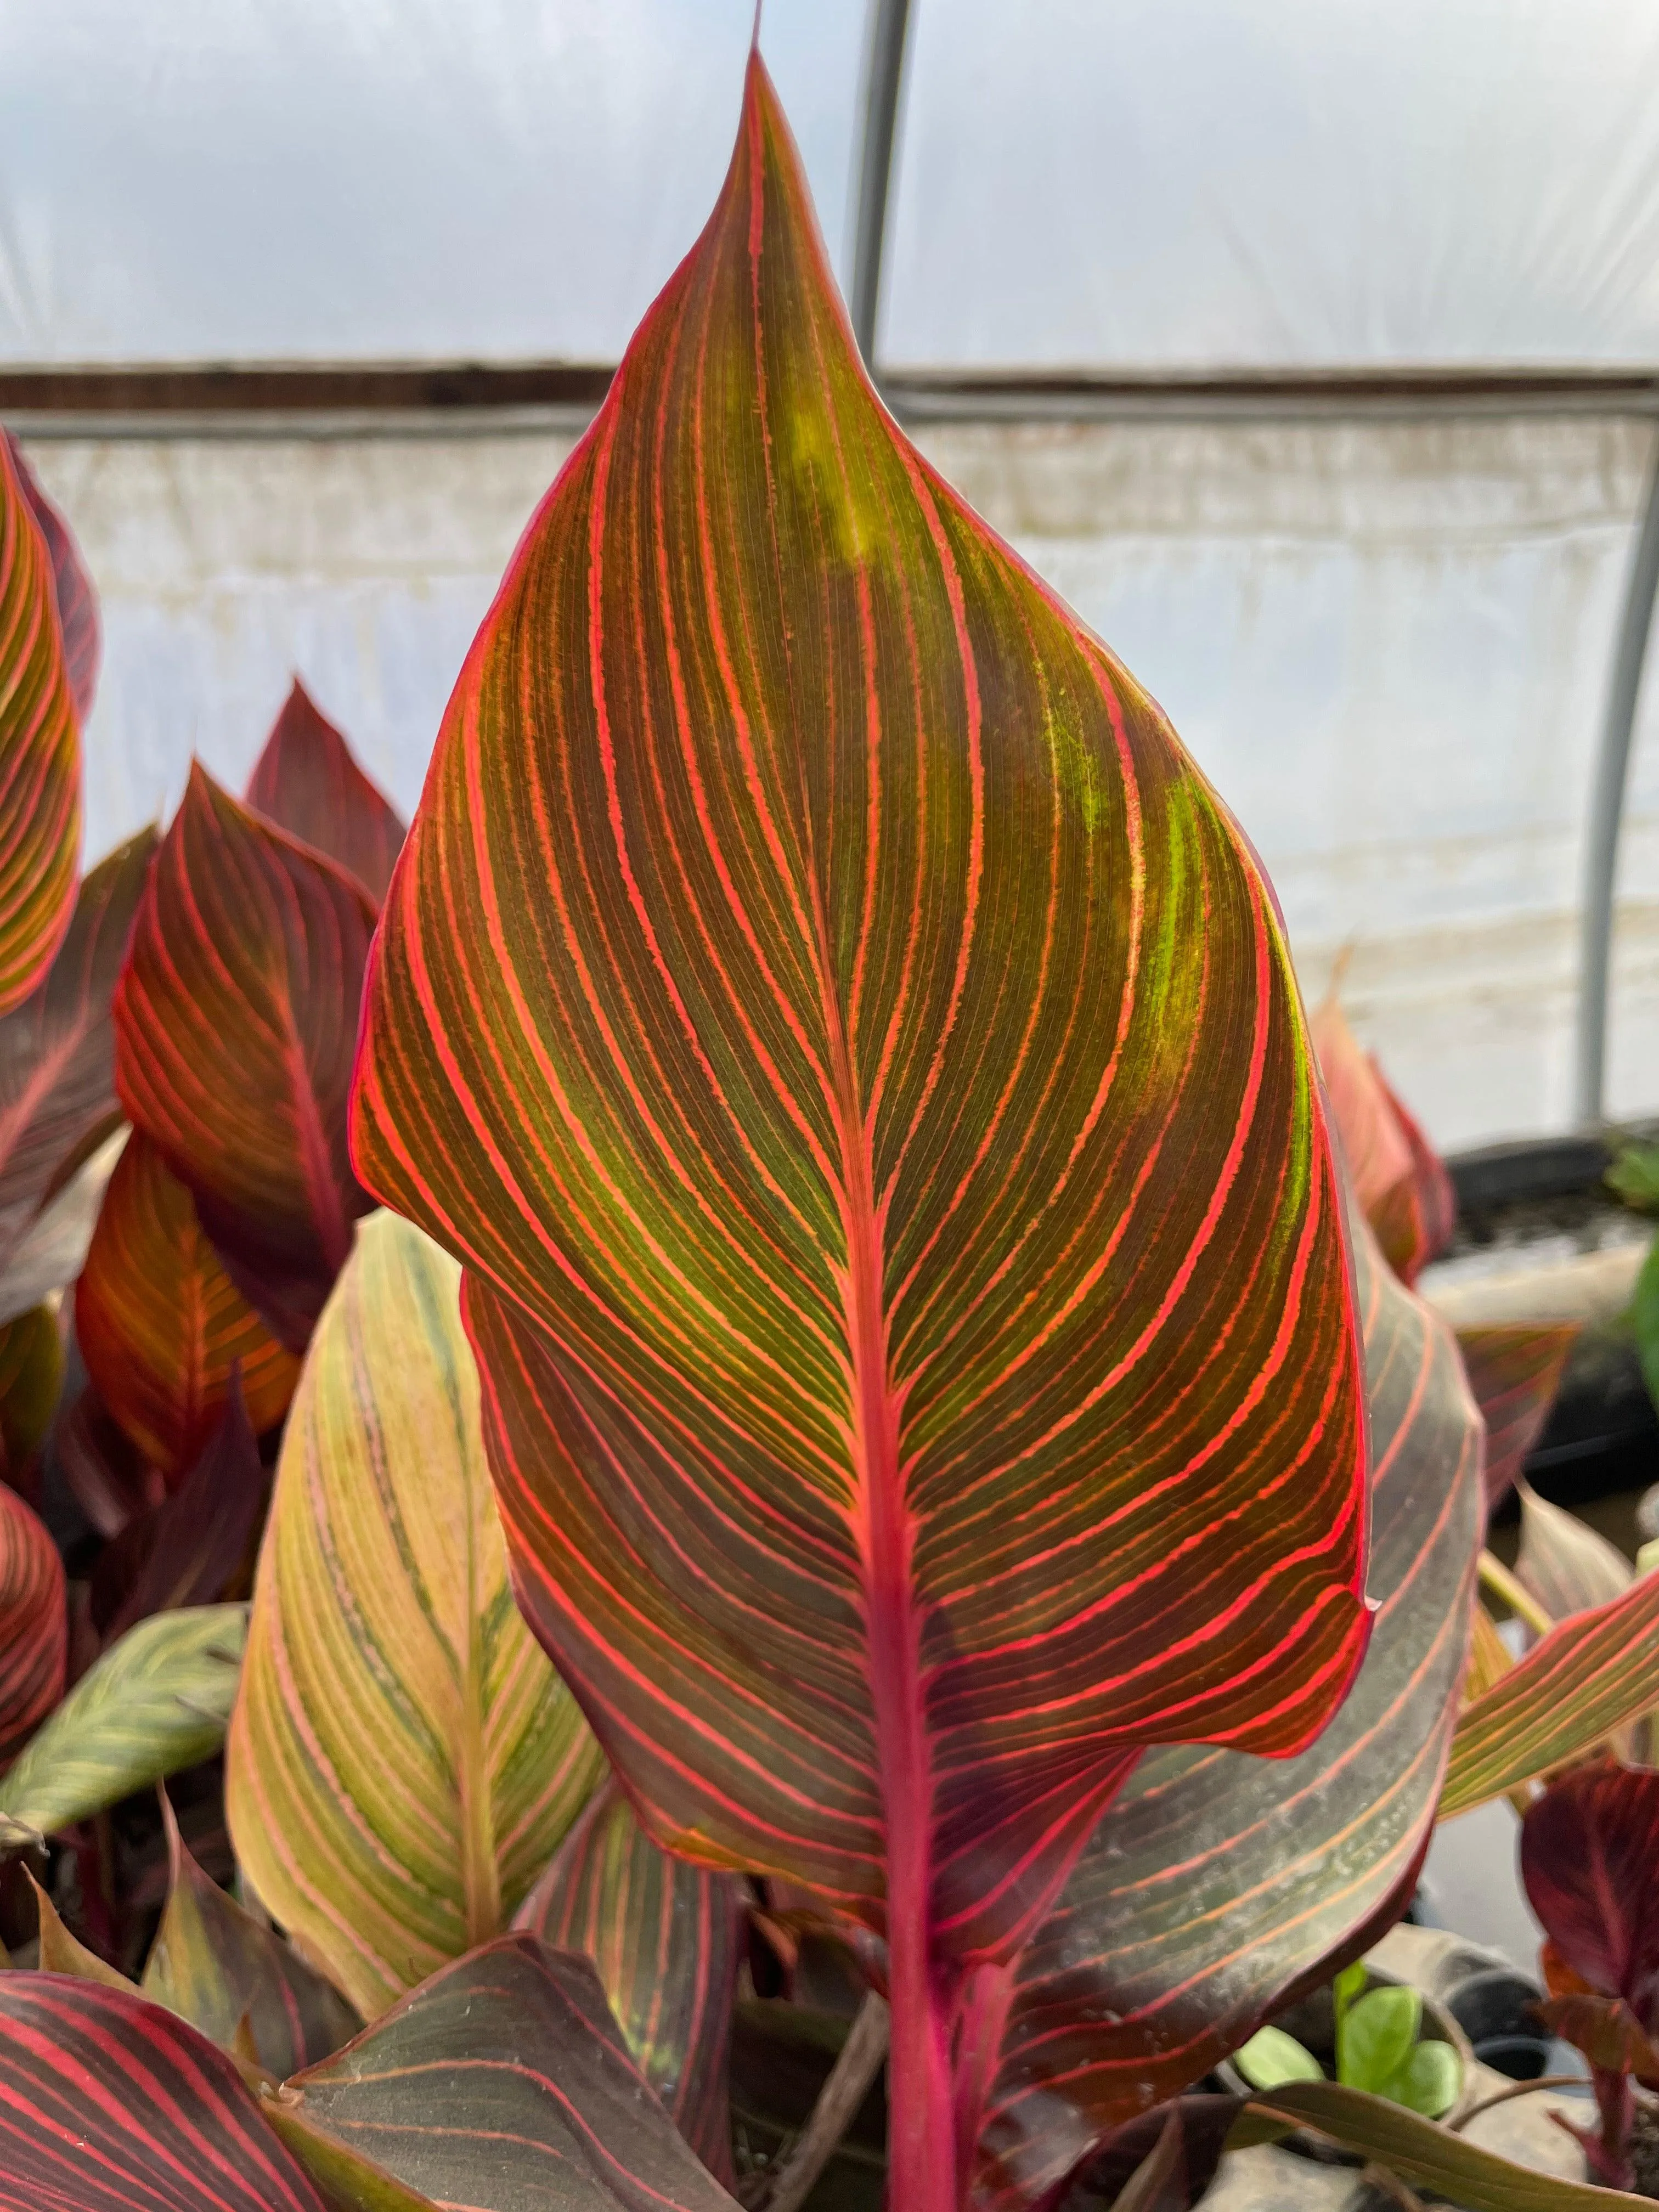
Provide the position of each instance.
(906, 1361)
(1590, 1858)
(856, 1061)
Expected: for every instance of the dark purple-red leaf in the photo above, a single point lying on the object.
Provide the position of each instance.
(235, 1021)
(57, 1048)
(1590, 1858)
(198, 1546)
(110, 2104)
(307, 781)
(501, 2084)
(665, 1938)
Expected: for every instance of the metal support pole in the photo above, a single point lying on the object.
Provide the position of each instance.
(884, 69)
(1608, 807)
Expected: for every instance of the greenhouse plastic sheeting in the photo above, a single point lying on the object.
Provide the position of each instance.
(1386, 643)
(1151, 184)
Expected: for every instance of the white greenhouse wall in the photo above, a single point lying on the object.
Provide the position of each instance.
(1386, 643)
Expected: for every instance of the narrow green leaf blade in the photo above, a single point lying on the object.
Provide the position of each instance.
(1432, 2159)
(157, 1702)
(502, 2084)
(110, 2103)
(1590, 1675)
(404, 1760)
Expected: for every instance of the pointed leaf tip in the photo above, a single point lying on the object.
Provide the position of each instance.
(236, 1020)
(308, 782)
(855, 1057)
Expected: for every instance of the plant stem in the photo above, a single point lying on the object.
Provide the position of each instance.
(1516, 2089)
(1520, 1601)
(785, 2185)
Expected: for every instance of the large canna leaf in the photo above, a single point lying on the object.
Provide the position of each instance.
(33, 1625)
(307, 781)
(40, 752)
(1514, 1370)
(404, 1760)
(500, 2085)
(72, 589)
(57, 1048)
(665, 1938)
(1591, 1676)
(110, 2104)
(857, 1058)
(1217, 1885)
(235, 1018)
(161, 1325)
(157, 1702)
(217, 1967)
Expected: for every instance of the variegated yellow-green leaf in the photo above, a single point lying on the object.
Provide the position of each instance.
(403, 1760)
(156, 1702)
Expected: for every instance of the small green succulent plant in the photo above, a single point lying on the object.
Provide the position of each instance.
(1377, 2050)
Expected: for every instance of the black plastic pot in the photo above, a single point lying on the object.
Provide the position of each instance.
(1602, 1436)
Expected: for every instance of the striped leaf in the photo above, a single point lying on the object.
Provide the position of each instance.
(236, 1018)
(195, 1546)
(157, 1702)
(1399, 1181)
(1514, 1370)
(1590, 1858)
(307, 781)
(1563, 1562)
(500, 2085)
(40, 752)
(57, 1048)
(665, 1938)
(1428, 2157)
(110, 2104)
(856, 1057)
(215, 1966)
(1217, 1885)
(72, 589)
(33, 1625)
(403, 1761)
(1592, 1675)
(161, 1325)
